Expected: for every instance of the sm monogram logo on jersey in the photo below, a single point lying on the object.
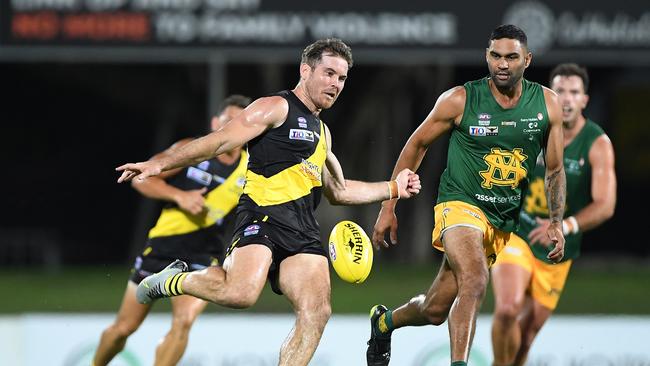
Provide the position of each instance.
(535, 202)
(504, 168)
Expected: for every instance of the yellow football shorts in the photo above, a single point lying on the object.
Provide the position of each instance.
(457, 213)
(546, 280)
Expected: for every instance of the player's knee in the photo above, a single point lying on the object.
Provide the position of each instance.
(323, 313)
(243, 302)
(244, 298)
(315, 315)
(474, 284)
(506, 312)
(124, 329)
(182, 323)
(434, 315)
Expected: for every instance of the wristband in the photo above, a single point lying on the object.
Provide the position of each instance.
(393, 189)
(570, 226)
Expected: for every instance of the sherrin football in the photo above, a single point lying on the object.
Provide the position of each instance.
(350, 251)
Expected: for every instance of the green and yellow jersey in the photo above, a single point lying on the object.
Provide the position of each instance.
(493, 150)
(578, 195)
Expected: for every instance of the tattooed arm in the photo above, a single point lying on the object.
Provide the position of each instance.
(555, 180)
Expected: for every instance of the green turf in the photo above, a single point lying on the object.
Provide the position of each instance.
(618, 290)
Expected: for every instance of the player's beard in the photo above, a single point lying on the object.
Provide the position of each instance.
(318, 98)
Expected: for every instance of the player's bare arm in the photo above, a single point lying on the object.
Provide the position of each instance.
(603, 185)
(555, 179)
(339, 190)
(447, 111)
(262, 114)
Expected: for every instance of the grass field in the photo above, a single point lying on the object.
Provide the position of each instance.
(615, 289)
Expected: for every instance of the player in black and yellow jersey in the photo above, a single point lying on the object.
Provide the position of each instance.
(192, 226)
(277, 235)
(527, 286)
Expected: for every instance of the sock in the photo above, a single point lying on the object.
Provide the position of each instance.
(384, 324)
(174, 284)
(459, 363)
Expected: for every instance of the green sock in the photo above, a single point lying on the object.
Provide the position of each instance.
(384, 324)
(459, 363)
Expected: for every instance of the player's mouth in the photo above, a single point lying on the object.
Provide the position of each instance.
(330, 94)
(502, 75)
(566, 109)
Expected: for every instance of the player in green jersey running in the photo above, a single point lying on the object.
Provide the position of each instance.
(527, 286)
(499, 124)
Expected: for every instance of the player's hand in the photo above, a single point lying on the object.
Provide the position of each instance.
(387, 220)
(139, 171)
(408, 183)
(192, 201)
(539, 235)
(556, 236)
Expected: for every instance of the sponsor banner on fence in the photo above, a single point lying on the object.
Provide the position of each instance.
(420, 24)
(255, 340)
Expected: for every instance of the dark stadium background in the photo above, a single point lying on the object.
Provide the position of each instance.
(67, 126)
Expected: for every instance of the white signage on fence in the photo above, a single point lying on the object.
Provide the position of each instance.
(254, 340)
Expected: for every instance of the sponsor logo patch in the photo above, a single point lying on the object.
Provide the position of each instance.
(302, 122)
(251, 230)
(203, 165)
(491, 130)
(332, 251)
(509, 123)
(472, 213)
(199, 176)
(311, 169)
(484, 119)
(305, 135)
(477, 130)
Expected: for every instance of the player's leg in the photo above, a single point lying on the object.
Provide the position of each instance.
(432, 307)
(466, 225)
(129, 318)
(185, 310)
(466, 256)
(238, 284)
(509, 283)
(304, 279)
(531, 323)
(546, 287)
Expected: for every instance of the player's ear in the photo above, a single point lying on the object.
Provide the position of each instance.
(305, 71)
(585, 101)
(215, 123)
(528, 58)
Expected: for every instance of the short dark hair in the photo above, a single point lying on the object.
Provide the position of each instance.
(571, 69)
(509, 31)
(313, 53)
(235, 100)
